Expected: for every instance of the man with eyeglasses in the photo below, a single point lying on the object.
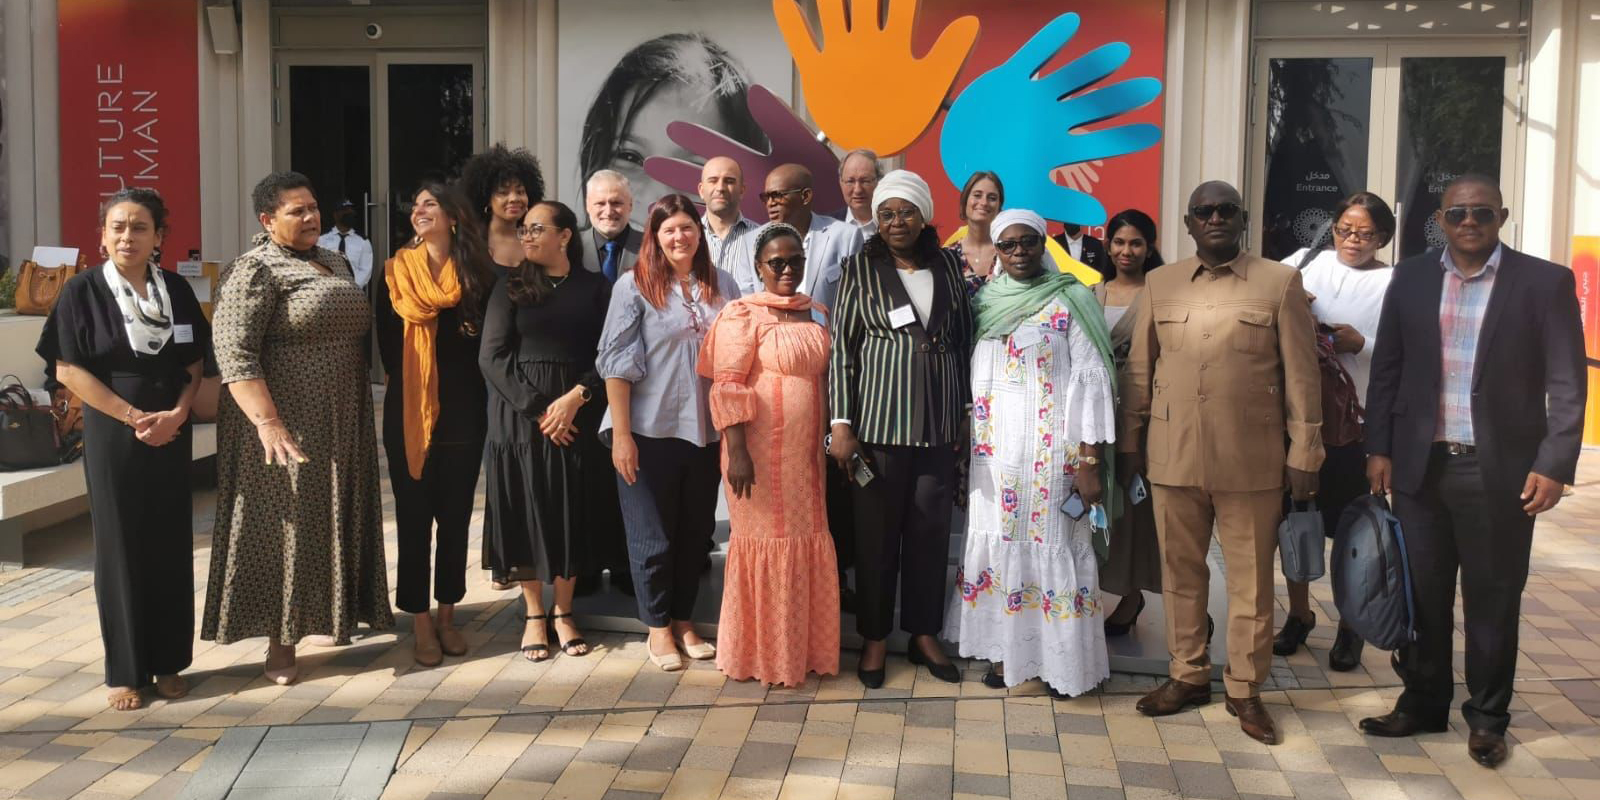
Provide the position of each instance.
(859, 173)
(827, 240)
(1223, 371)
(1474, 422)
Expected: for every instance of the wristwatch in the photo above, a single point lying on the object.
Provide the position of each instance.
(1093, 461)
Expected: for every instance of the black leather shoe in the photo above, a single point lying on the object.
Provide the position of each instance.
(1294, 633)
(1487, 748)
(871, 678)
(1396, 724)
(1122, 628)
(1346, 652)
(993, 680)
(946, 672)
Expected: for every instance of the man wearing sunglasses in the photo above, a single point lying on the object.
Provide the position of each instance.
(827, 241)
(1222, 372)
(1474, 422)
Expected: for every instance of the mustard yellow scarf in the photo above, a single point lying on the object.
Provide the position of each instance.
(417, 299)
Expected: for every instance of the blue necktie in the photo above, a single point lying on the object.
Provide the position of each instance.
(609, 265)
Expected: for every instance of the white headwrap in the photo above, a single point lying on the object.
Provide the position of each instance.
(905, 185)
(1016, 216)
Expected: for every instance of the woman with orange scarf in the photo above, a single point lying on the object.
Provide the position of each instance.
(429, 311)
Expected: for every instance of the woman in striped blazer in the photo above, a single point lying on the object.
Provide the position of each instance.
(899, 392)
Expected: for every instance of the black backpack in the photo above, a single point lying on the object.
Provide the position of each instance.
(1372, 582)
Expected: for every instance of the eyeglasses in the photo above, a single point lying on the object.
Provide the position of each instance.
(1205, 211)
(1483, 215)
(696, 316)
(778, 265)
(779, 196)
(854, 182)
(887, 217)
(1360, 237)
(533, 231)
(1027, 243)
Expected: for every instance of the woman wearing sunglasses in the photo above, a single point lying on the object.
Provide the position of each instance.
(1043, 415)
(658, 423)
(1346, 285)
(767, 358)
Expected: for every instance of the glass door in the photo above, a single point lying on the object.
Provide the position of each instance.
(1398, 119)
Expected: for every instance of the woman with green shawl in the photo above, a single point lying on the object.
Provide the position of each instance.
(1041, 491)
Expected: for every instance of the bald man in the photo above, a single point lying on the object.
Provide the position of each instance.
(728, 233)
(1222, 373)
(827, 242)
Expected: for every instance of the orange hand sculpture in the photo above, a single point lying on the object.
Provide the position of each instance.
(839, 75)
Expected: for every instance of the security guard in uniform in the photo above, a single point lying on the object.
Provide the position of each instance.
(1223, 368)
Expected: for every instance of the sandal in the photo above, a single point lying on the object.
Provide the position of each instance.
(172, 687)
(993, 679)
(125, 699)
(568, 644)
(541, 648)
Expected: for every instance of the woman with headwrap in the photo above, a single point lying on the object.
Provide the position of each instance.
(1043, 416)
(898, 393)
(767, 357)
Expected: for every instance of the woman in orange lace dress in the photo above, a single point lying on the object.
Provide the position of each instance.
(767, 357)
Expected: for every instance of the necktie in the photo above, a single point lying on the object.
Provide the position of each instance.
(609, 265)
(341, 241)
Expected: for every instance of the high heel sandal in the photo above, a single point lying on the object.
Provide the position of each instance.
(567, 644)
(1122, 628)
(543, 648)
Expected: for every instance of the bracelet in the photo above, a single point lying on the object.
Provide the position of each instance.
(267, 421)
(127, 416)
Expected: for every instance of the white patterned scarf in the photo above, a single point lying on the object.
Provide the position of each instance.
(147, 319)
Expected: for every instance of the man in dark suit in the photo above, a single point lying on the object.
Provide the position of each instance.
(612, 244)
(1474, 420)
(1085, 248)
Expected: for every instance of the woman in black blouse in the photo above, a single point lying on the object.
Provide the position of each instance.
(551, 491)
(128, 338)
(429, 314)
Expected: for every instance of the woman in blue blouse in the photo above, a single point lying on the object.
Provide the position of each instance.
(663, 444)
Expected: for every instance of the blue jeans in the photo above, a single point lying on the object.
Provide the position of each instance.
(669, 514)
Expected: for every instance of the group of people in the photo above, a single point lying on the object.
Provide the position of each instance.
(849, 381)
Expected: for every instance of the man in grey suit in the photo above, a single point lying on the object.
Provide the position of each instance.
(612, 245)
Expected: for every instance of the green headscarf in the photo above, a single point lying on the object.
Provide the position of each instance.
(1005, 303)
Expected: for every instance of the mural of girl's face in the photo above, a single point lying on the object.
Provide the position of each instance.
(646, 135)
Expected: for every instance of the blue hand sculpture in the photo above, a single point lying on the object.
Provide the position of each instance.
(1021, 125)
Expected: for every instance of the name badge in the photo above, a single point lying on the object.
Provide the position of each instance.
(1026, 336)
(183, 334)
(819, 318)
(902, 316)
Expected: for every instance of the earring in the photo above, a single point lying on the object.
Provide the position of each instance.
(452, 229)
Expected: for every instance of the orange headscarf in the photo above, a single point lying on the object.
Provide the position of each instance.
(417, 299)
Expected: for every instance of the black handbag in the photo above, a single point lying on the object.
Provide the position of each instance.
(28, 435)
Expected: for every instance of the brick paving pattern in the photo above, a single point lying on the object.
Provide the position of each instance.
(610, 727)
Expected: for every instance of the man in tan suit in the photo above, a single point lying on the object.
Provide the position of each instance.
(1223, 367)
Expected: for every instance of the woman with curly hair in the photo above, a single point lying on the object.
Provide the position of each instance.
(501, 185)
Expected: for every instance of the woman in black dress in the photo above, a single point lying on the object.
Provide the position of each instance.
(550, 489)
(429, 314)
(128, 339)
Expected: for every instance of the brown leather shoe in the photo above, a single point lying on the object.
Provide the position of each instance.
(1253, 718)
(1487, 748)
(1173, 697)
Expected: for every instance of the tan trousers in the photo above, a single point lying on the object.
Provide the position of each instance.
(1247, 527)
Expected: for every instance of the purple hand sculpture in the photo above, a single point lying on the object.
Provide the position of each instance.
(790, 141)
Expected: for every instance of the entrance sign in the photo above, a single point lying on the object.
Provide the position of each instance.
(129, 119)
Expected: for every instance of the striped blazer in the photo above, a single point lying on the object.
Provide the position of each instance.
(905, 386)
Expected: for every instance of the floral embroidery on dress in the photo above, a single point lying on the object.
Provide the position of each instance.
(982, 426)
(983, 584)
(1014, 364)
(1043, 458)
(1010, 506)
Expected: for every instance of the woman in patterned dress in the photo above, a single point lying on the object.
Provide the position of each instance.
(298, 544)
(1027, 594)
(767, 358)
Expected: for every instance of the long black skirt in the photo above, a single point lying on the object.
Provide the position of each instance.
(141, 508)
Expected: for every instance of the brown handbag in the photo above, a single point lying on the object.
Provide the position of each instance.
(38, 287)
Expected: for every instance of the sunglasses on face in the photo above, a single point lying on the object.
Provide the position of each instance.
(793, 264)
(779, 196)
(1205, 211)
(1483, 215)
(1360, 237)
(1027, 243)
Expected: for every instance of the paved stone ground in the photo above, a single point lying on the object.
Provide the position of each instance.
(610, 726)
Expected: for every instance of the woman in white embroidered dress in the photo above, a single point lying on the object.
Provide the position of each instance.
(1028, 595)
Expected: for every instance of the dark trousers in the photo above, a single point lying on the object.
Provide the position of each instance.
(669, 513)
(436, 510)
(1457, 522)
(903, 534)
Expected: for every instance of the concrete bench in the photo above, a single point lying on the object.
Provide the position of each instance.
(36, 498)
